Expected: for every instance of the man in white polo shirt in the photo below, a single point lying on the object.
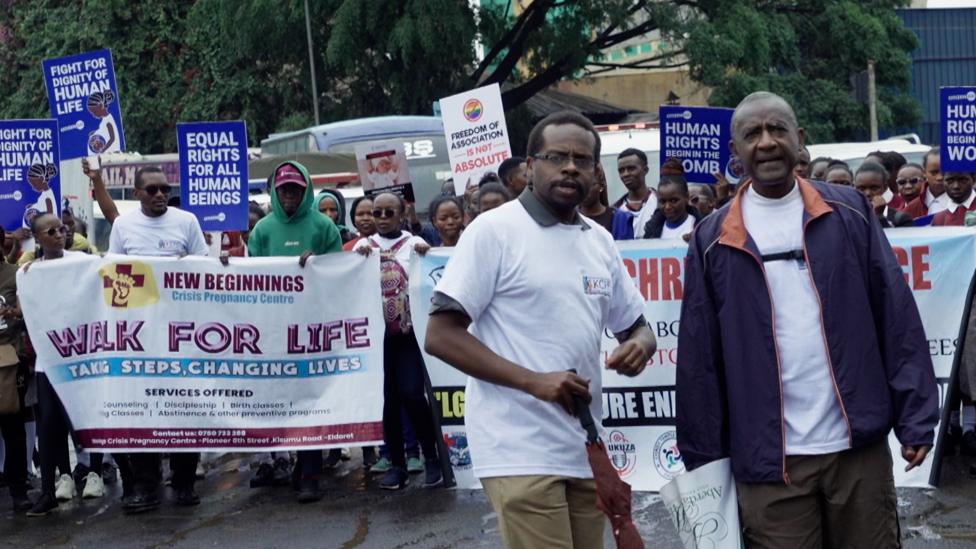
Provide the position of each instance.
(158, 231)
(539, 284)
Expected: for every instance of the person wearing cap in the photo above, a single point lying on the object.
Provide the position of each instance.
(159, 231)
(293, 228)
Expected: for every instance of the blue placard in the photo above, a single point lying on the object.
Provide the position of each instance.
(84, 99)
(213, 173)
(958, 127)
(699, 136)
(30, 182)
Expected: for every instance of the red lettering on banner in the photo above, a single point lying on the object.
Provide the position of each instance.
(918, 266)
(657, 279)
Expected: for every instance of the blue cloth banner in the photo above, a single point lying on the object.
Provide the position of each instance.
(84, 99)
(699, 137)
(213, 172)
(30, 182)
(957, 119)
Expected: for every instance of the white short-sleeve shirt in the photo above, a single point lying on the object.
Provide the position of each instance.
(540, 294)
(172, 234)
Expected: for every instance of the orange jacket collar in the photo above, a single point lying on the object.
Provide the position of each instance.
(734, 227)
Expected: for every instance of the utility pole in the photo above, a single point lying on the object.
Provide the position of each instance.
(872, 101)
(311, 64)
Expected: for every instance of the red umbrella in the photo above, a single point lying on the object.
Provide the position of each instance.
(612, 494)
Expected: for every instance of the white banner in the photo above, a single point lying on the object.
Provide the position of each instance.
(188, 355)
(638, 413)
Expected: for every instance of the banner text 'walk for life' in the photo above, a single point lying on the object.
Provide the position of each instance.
(186, 354)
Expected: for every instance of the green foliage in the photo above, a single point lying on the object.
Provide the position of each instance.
(145, 38)
(808, 51)
(182, 60)
(398, 57)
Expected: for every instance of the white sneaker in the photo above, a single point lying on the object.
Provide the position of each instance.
(64, 488)
(94, 487)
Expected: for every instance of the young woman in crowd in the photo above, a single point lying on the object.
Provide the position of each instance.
(53, 423)
(403, 365)
(491, 196)
(362, 220)
(333, 205)
(446, 215)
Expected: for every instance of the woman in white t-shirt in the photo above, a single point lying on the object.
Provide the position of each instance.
(403, 365)
(106, 138)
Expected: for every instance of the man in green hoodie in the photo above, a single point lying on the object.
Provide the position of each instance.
(294, 228)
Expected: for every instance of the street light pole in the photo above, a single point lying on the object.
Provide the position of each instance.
(311, 64)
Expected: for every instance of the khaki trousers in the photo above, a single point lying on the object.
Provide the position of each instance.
(840, 500)
(541, 511)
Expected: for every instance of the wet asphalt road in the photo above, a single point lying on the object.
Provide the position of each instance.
(356, 514)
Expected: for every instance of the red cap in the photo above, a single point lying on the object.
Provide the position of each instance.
(289, 174)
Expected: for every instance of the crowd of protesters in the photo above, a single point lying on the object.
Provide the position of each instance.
(301, 223)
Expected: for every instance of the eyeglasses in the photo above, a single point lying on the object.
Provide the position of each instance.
(152, 190)
(559, 160)
(386, 212)
(909, 181)
(55, 230)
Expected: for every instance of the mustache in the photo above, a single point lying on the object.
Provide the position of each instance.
(568, 182)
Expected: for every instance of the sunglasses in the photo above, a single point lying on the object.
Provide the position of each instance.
(909, 181)
(55, 230)
(386, 212)
(152, 190)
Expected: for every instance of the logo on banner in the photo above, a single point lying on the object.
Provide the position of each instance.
(667, 458)
(969, 96)
(128, 285)
(623, 453)
(436, 274)
(457, 446)
(473, 109)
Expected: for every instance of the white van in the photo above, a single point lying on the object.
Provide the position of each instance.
(910, 146)
(615, 138)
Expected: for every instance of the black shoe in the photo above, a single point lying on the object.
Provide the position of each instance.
(187, 498)
(309, 490)
(139, 503)
(263, 477)
(369, 457)
(395, 479)
(43, 506)
(109, 473)
(432, 473)
(968, 443)
(282, 472)
(332, 460)
(21, 503)
(79, 475)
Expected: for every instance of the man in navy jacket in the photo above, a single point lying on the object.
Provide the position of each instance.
(800, 348)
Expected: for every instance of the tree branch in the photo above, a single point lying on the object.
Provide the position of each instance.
(637, 63)
(514, 39)
(662, 66)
